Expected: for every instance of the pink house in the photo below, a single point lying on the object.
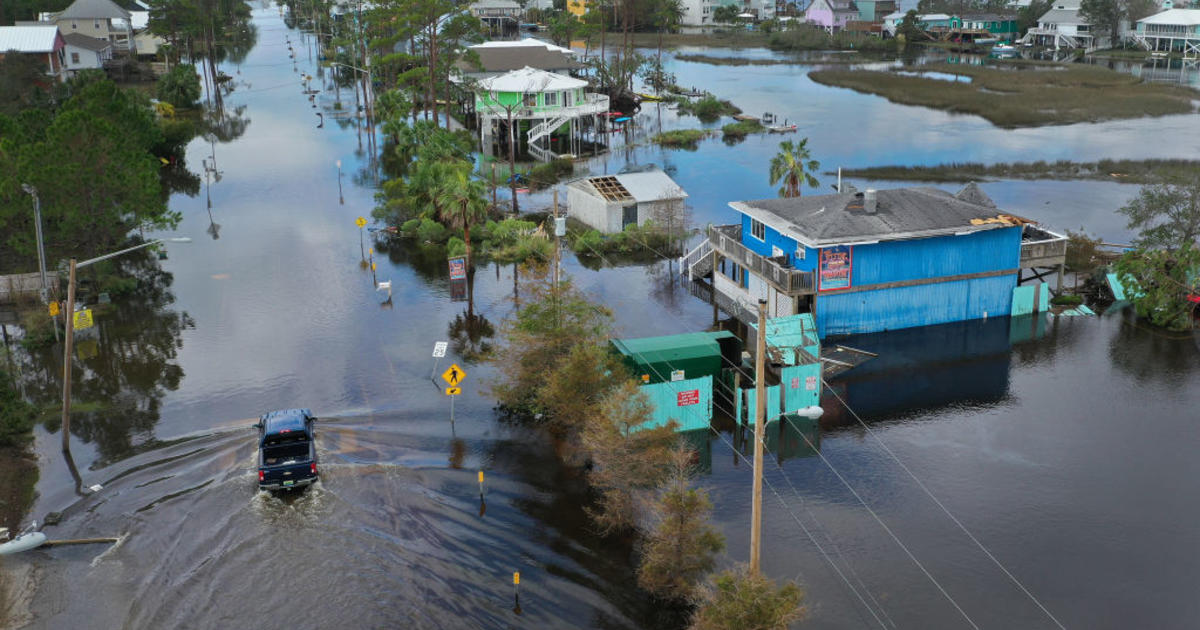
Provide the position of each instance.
(831, 15)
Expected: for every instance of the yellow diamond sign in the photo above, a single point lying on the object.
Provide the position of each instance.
(54, 309)
(360, 222)
(454, 375)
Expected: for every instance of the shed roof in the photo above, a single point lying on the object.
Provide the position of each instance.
(522, 43)
(530, 80)
(650, 185)
(93, 9)
(901, 213)
(79, 40)
(29, 39)
(508, 58)
(671, 348)
(1189, 17)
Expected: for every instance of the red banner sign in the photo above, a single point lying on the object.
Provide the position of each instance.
(690, 397)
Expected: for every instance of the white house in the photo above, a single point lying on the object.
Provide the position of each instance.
(1176, 30)
(1063, 27)
(699, 12)
(83, 52)
(101, 19)
(610, 203)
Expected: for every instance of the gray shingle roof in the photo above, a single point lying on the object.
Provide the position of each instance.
(80, 40)
(901, 213)
(93, 9)
(506, 58)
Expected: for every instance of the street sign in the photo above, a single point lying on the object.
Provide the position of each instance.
(439, 349)
(458, 268)
(83, 319)
(454, 375)
(453, 391)
(677, 375)
(689, 397)
(54, 309)
(360, 222)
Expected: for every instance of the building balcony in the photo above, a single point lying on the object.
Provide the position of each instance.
(1042, 248)
(775, 271)
(592, 104)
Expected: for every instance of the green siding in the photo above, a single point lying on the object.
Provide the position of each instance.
(666, 399)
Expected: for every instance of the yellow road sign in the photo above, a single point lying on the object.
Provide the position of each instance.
(454, 375)
(83, 319)
(453, 391)
(360, 222)
(54, 309)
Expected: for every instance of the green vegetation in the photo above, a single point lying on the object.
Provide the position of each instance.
(730, 61)
(1082, 251)
(550, 173)
(1124, 171)
(740, 599)
(1165, 268)
(507, 241)
(180, 87)
(809, 37)
(16, 415)
(556, 371)
(680, 138)
(792, 167)
(94, 160)
(640, 242)
(742, 128)
(708, 108)
(1066, 300)
(1012, 98)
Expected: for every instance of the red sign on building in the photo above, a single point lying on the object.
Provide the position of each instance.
(690, 397)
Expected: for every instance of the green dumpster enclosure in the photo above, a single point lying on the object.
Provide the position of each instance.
(679, 357)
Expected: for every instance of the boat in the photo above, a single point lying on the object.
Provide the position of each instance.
(1004, 51)
(648, 97)
(621, 119)
(31, 539)
(781, 128)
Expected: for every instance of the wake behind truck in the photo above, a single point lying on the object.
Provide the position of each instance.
(287, 452)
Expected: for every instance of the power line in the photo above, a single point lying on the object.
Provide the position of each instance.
(957, 522)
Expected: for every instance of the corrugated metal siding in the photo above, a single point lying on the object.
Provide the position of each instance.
(664, 397)
(893, 261)
(922, 305)
(796, 381)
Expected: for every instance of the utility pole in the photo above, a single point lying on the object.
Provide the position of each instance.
(760, 413)
(37, 221)
(70, 327)
(557, 315)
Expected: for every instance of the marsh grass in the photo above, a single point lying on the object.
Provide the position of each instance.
(1123, 171)
(1023, 98)
(680, 138)
(741, 129)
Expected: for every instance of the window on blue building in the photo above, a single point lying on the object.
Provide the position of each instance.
(758, 230)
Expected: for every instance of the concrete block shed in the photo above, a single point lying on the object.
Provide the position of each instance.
(610, 203)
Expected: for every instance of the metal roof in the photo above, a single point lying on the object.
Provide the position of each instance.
(901, 213)
(522, 43)
(93, 9)
(530, 80)
(653, 185)
(79, 40)
(1189, 17)
(29, 39)
(1062, 16)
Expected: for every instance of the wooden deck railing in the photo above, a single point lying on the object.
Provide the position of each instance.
(728, 240)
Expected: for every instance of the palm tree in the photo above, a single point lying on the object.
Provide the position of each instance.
(793, 166)
(461, 201)
(667, 15)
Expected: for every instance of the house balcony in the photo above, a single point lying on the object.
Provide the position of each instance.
(592, 104)
(1042, 248)
(775, 271)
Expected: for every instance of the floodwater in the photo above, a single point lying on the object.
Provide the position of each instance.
(1065, 447)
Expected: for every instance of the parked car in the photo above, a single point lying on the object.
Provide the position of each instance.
(287, 451)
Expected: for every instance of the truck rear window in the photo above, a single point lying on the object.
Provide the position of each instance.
(285, 453)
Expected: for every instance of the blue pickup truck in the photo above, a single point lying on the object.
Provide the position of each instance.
(287, 452)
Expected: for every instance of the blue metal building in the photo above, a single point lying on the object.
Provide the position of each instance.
(875, 260)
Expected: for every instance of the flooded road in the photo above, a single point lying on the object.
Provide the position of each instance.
(1067, 448)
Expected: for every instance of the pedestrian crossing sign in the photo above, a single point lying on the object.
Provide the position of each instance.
(454, 375)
